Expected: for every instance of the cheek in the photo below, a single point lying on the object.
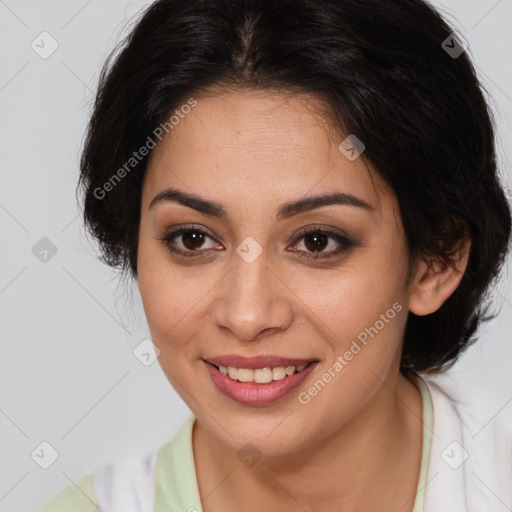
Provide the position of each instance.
(167, 295)
(168, 305)
(345, 303)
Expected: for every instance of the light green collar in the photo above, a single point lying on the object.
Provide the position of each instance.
(176, 486)
(428, 430)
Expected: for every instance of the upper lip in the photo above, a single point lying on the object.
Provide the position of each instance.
(263, 361)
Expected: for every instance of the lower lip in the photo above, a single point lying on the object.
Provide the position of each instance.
(250, 393)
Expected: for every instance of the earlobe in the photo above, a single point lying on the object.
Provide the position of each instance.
(436, 281)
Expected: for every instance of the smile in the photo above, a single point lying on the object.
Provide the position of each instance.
(258, 386)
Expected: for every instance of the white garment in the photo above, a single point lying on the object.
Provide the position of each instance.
(483, 482)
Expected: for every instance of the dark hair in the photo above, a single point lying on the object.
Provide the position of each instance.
(384, 71)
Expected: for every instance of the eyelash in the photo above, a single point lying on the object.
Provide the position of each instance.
(344, 242)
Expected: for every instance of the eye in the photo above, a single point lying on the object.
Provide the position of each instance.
(187, 241)
(315, 240)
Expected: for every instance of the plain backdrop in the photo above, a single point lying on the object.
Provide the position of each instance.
(69, 327)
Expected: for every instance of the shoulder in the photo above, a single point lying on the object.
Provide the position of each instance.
(78, 498)
(470, 463)
(153, 481)
(125, 484)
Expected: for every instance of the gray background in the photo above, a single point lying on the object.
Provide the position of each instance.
(68, 325)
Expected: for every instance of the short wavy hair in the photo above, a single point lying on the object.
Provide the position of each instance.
(390, 72)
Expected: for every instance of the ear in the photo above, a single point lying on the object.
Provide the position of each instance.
(435, 281)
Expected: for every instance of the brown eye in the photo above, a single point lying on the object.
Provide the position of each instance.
(317, 240)
(188, 241)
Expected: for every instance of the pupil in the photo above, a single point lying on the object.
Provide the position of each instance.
(193, 238)
(319, 242)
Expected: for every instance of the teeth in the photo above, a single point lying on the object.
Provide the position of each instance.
(290, 370)
(245, 375)
(263, 375)
(278, 373)
(260, 375)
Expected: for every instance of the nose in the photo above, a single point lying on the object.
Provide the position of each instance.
(253, 301)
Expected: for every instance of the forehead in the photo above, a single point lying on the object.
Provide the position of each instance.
(262, 144)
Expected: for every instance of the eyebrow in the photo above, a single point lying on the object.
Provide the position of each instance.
(285, 211)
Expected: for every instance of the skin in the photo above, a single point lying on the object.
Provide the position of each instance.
(357, 444)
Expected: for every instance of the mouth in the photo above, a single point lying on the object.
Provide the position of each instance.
(256, 382)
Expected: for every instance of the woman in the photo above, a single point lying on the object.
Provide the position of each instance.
(306, 193)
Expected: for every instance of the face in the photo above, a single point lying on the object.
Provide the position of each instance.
(254, 276)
